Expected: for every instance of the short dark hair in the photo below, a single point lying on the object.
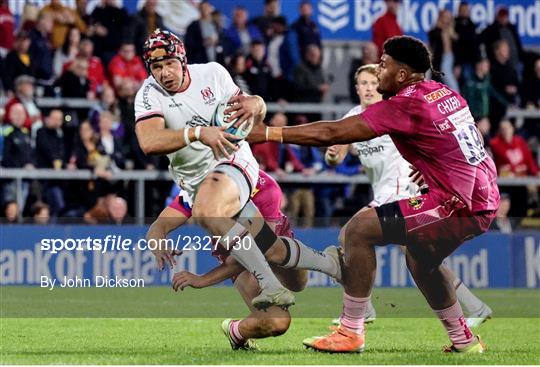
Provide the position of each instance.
(38, 207)
(409, 51)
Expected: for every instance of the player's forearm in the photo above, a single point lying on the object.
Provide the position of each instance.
(221, 273)
(165, 141)
(322, 133)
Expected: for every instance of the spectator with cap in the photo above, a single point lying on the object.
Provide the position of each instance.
(202, 36)
(146, 21)
(264, 22)
(502, 29)
(467, 45)
(386, 26)
(64, 19)
(40, 47)
(17, 152)
(18, 61)
(24, 94)
(127, 72)
(306, 28)
(240, 34)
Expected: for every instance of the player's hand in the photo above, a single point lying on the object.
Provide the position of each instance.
(332, 155)
(217, 139)
(418, 178)
(184, 279)
(243, 108)
(165, 257)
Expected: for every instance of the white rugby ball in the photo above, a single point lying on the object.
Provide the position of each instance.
(220, 118)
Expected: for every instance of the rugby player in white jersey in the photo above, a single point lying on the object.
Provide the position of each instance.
(390, 177)
(173, 110)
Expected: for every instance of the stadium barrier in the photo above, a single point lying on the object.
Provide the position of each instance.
(493, 260)
(140, 177)
(330, 110)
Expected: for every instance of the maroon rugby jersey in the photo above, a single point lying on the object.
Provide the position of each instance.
(433, 129)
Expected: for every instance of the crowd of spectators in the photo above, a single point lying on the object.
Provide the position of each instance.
(57, 51)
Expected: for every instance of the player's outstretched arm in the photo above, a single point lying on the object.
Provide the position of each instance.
(322, 133)
(155, 138)
(217, 275)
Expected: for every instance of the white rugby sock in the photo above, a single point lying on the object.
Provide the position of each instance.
(300, 256)
(470, 302)
(250, 256)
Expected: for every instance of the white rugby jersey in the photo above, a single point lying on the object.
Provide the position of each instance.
(387, 171)
(210, 85)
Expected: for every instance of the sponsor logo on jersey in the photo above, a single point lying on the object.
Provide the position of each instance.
(416, 202)
(208, 95)
(174, 104)
(197, 120)
(145, 99)
(436, 95)
(366, 150)
(444, 126)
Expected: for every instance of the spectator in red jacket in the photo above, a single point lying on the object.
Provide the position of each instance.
(24, 94)
(7, 29)
(387, 26)
(96, 71)
(511, 153)
(126, 71)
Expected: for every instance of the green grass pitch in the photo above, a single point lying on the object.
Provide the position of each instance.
(185, 328)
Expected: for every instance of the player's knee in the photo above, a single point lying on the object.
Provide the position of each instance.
(205, 212)
(274, 326)
(298, 282)
(341, 237)
(359, 232)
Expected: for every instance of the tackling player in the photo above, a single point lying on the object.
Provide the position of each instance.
(259, 324)
(433, 129)
(389, 175)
